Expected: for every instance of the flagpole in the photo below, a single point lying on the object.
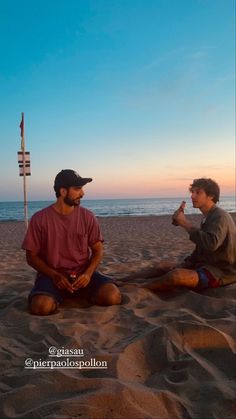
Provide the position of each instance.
(24, 169)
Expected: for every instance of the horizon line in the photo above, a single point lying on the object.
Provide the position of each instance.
(116, 199)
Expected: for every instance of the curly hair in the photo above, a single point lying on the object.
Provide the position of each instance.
(210, 187)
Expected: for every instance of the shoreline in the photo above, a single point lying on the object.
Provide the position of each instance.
(131, 216)
(13, 211)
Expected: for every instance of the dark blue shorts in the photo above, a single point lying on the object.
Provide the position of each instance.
(44, 285)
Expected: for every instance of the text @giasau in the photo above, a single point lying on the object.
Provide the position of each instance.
(71, 359)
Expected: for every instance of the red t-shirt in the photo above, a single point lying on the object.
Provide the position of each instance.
(63, 241)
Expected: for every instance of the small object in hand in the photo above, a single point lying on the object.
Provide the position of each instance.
(72, 277)
(181, 208)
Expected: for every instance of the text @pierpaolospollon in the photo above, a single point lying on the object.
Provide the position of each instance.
(66, 359)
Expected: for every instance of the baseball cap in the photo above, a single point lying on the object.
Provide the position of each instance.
(66, 178)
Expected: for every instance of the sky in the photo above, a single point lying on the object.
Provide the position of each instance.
(137, 94)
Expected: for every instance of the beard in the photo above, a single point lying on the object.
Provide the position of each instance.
(71, 202)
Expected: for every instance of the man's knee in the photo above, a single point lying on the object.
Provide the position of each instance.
(183, 277)
(42, 305)
(108, 295)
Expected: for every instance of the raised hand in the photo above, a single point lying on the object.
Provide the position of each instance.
(176, 213)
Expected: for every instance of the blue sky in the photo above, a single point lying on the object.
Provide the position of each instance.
(138, 94)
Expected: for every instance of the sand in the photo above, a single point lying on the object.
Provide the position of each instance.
(168, 356)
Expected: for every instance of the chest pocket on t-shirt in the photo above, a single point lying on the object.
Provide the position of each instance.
(81, 242)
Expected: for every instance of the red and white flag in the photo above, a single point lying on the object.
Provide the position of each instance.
(22, 133)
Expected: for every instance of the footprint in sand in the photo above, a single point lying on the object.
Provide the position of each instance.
(177, 373)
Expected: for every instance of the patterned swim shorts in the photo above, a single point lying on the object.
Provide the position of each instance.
(206, 279)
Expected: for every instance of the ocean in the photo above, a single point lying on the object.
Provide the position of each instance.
(114, 207)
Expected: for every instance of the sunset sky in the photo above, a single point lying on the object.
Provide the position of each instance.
(137, 94)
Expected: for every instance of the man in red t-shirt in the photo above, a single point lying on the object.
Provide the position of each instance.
(64, 245)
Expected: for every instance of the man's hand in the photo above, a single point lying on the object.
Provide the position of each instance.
(59, 280)
(62, 283)
(82, 281)
(180, 209)
(180, 219)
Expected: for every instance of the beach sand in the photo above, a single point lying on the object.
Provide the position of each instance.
(168, 356)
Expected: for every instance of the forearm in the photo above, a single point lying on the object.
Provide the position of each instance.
(209, 240)
(40, 266)
(186, 225)
(211, 235)
(179, 219)
(94, 262)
